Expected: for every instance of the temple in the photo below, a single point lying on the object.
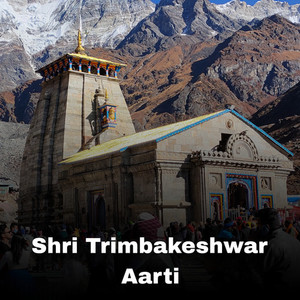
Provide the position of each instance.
(80, 105)
(213, 166)
(88, 167)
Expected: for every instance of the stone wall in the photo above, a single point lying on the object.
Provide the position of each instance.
(61, 126)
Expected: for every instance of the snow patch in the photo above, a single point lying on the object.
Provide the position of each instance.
(237, 9)
(40, 23)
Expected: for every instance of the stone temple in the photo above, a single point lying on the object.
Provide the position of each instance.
(85, 165)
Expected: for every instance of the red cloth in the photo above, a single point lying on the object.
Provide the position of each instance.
(147, 229)
(190, 227)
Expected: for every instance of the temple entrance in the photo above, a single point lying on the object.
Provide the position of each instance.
(241, 195)
(237, 195)
(238, 202)
(100, 212)
(97, 211)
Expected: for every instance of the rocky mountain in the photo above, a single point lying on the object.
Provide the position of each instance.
(249, 69)
(12, 143)
(32, 31)
(187, 21)
(15, 63)
(240, 10)
(285, 107)
(19, 104)
(281, 119)
(175, 22)
(259, 61)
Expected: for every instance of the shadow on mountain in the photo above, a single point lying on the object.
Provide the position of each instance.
(26, 98)
(201, 66)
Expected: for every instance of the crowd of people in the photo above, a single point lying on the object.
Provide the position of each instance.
(83, 271)
(238, 229)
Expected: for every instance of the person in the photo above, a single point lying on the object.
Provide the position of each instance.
(5, 244)
(182, 231)
(239, 223)
(210, 230)
(296, 224)
(63, 235)
(5, 239)
(290, 229)
(149, 227)
(252, 211)
(198, 234)
(190, 231)
(14, 228)
(174, 231)
(245, 232)
(227, 232)
(17, 262)
(280, 264)
(27, 236)
(75, 274)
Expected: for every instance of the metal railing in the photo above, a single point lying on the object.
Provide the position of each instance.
(234, 213)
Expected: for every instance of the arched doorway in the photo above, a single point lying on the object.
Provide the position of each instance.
(237, 195)
(238, 199)
(100, 212)
(97, 210)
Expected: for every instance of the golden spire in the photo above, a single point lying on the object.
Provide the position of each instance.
(79, 48)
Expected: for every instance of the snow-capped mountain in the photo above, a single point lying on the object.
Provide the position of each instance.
(39, 23)
(240, 10)
(28, 27)
(32, 32)
(178, 21)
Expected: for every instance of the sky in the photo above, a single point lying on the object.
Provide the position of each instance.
(248, 1)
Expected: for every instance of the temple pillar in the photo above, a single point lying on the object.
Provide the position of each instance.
(70, 64)
(98, 69)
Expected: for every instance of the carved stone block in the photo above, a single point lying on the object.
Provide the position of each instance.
(265, 183)
(215, 180)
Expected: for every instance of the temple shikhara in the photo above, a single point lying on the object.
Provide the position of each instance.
(85, 165)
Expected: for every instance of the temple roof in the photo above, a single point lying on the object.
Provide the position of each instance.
(83, 57)
(157, 135)
(91, 58)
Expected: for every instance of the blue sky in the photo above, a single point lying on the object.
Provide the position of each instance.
(248, 1)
